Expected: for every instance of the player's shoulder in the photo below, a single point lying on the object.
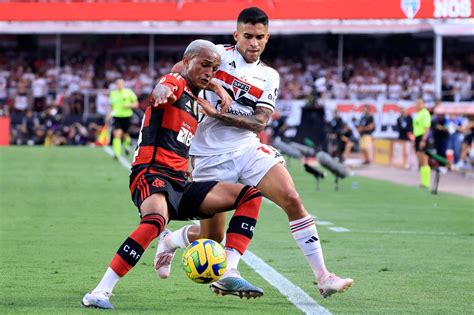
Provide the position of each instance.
(269, 71)
(173, 78)
(225, 47)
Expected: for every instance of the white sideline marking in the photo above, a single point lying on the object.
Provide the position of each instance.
(293, 293)
(125, 163)
(407, 232)
(338, 229)
(324, 223)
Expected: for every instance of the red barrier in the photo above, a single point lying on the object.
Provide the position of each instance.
(4, 131)
(228, 10)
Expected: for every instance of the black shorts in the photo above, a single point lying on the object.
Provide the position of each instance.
(184, 198)
(417, 144)
(468, 139)
(122, 123)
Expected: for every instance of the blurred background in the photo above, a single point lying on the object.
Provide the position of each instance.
(59, 60)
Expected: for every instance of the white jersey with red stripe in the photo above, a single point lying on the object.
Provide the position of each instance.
(250, 85)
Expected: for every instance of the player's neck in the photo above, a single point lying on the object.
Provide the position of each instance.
(193, 89)
(243, 57)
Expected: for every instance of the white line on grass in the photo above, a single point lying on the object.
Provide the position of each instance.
(408, 232)
(324, 223)
(338, 229)
(293, 293)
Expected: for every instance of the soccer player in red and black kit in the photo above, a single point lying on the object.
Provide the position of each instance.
(158, 180)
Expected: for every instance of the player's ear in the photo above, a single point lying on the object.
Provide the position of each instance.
(236, 35)
(186, 61)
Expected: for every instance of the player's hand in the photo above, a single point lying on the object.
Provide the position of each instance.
(108, 119)
(226, 100)
(422, 144)
(206, 107)
(162, 94)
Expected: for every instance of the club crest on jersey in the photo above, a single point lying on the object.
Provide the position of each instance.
(239, 88)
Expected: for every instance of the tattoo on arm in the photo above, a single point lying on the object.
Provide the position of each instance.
(256, 123)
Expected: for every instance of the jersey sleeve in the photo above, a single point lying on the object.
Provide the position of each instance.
(221, 49)
(133, 96)
(270, 92)
(427, 123)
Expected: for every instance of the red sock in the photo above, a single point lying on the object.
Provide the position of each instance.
(132, 249)
(242, 224)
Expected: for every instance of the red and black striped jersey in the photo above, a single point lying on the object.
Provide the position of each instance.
(167, 130)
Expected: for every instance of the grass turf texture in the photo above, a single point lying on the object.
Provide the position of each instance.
(65, 211)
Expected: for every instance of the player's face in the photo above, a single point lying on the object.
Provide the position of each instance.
(201, 68)
(420, 104)
(120, 84)
(251, 40)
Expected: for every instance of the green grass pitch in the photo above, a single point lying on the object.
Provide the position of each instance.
(65, 211)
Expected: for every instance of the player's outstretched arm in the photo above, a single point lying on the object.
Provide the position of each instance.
(163, 94)
(256, 123)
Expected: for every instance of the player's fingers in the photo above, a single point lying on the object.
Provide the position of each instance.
(172, 98)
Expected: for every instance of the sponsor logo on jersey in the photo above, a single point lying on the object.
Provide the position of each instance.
(239, 112)
(239, 88)
(185, 136)
(410, 7)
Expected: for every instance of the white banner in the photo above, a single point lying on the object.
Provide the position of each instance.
(385, 113)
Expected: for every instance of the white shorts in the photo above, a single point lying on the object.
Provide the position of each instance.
(248, 165)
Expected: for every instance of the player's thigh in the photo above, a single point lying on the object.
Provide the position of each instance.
(217, 167)
(221, 198)
(256, 161)
(155, 203)
(276, 183)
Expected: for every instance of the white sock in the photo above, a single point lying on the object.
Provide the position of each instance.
(306, 236)
(108, 282)
(233, 258)
(178, 238)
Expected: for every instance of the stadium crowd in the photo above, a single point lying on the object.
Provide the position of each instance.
(69, 109)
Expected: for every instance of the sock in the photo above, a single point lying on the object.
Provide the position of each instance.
(425, 176)
(132, 249)
(108, 282)
(306, 236)
(233, 258)
(243, 222)
(117, 146)
(127, 142)
(178, 238)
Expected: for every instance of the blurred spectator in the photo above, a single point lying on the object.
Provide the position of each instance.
(455, 127)
(39, 88)
(3, 90)
(365, 127)
(404, 126)
(344, 141)
(467, 149)
(440, 133)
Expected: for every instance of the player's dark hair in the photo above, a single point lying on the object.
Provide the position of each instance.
(253, 16)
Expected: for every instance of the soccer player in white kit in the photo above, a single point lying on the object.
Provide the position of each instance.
(226, 148)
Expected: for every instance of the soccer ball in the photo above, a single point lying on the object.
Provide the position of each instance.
(204, 261)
